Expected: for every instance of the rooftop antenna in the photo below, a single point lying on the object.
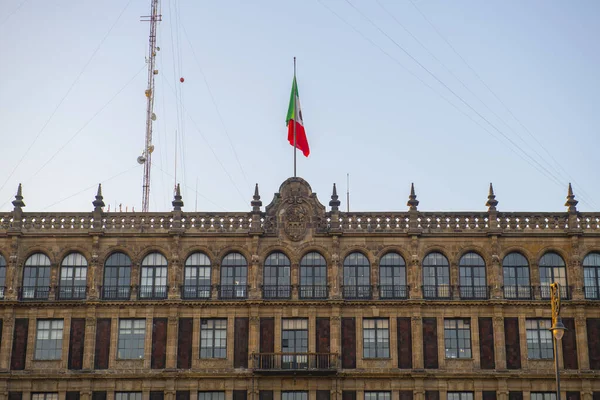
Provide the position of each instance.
(146, 157)
(175, 182)
(348, 192)
(196, 205)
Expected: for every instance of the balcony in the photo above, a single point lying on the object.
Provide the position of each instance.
(357, 292)
(153, 292)
(592, 292)
(313, 291)
(295, 363)
(115, 292)
(392, 292)
(518, 292)
(441, 292)
(195, 292)
(71, 293)
(276, 292)
(233, 292)
(474, 292)
(27, 293)
(565, 292)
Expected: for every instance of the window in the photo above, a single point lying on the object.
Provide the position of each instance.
(234, 275)
(154, 277)
(357, 279)
(539, 339)
(213, 338)
(591, 276)
(211, 395)
(472, 280)
(276, 283)
(543, 396)
(131, 339)
(392, 277)
(436, 277)
(377, 396)
(45, 396)
(457, 338)
(313, 276)
(552, 269)
(376, 338)
(36, 277)
(48, 343)
(197, 283)
(128, 395)
(460, 395)
(294, 395)
(73, 277)
(516, 277)
(2, 276)
(294, 339)
(117, 277)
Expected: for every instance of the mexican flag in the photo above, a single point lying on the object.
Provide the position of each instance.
(294, 120)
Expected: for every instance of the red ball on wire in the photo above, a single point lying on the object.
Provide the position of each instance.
(181, 79)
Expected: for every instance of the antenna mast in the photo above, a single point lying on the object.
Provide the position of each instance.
(146, 157)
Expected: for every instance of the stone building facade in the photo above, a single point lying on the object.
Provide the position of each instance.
(297, 302)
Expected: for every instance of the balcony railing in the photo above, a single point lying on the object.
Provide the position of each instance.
(565, 292)
(592, 292)
(354, 292)
(439, 292)
(519, 292)
(474, 292)
(295, 362)
(277, 292)
(190, 292)
(393, 291)
(153, 292)
(314, 291)
(34, 293)
(115, 292)
(233, 292)
(71, 293)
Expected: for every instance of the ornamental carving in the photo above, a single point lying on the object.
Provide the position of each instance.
(295, 222)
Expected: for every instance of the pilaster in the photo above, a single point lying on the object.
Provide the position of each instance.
(499, 340)
(417, 341)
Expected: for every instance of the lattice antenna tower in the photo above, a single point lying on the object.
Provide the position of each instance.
(146, 157)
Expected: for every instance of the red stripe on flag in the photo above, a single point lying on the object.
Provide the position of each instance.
(301, 141)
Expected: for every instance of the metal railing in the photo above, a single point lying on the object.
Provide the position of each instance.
(71, 293)
(393, 291)
(195, 292)
(592, 292)
(277, 291)
(519, 292)
(437, 292)
(565, 292)
(295, 361)
(153, 292)
(115, 292)
(233, 292)
(34, 292)
(353, 292)
(313, 291)
(474, 292)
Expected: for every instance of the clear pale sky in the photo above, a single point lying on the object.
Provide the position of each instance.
(365, 111)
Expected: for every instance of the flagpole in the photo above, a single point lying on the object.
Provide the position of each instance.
(295, 116)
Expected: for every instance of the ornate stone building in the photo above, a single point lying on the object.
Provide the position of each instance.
(297, 302)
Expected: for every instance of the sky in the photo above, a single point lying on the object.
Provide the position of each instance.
(450, 95)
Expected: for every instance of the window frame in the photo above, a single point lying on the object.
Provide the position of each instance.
(549, 275)
(212, 338)
(296, 332)
(122, 340)
(311, 263)
(36, 262)
(69, 287)
(591, 274)
(539, 347)
(357, 283)
(436, 277)
(277, 276)
(44, 396)
(200, 285)
(453, 341)
(211, 395)
(294, 395)
(470, 268)
(517, 280)
(542, 395)
(157, 273)
(377, 395)
(128, 395)
(460, 395)
(2, 276)
(122, 277)
(237, 264)
(55, 351)
(392, 276)
(381, 342)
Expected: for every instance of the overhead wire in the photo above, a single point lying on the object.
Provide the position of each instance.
(66, 94)
(13, 12)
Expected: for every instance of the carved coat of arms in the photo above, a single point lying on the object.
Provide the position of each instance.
(295, 222)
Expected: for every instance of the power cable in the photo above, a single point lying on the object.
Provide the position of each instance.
(13, 12)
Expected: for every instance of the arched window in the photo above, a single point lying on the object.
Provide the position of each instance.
(36, 278)
(234, 277)
(196, 283)
(357, 279)
(471, 274)
(276, 277)
(2, 275)
(436, 277)
(313, 276)
(73, 277)
(154, 277)
(392, 277)
(591, 276)
(516, 277)
(117, 277)
(552, 269)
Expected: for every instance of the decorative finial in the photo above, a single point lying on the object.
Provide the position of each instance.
(256, 203)
(571, 202)
(491, 202)
(177, 202)
(18, 201)
(98, 203)
(334, 203)
(412, 199)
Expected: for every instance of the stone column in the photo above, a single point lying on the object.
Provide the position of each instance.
(417, 342)
(89, 345)
(494, 275)
(575, 270)
(215, 279)
(335, 334)
(415, 280)
(335, 278)
(256, 272)
(294, 280)
(93, 267)
(582, 339)
(13, 272)
(174, 271)
(254, 334)
(172, 339)
(534, 278)
(454, 281)
(499, 342)
(8, 327)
